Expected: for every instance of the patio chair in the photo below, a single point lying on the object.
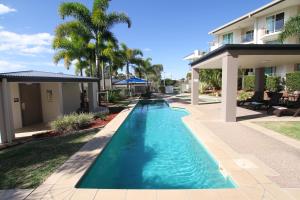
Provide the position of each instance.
(283, 111)
(275, 100)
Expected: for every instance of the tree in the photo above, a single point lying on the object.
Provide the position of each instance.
(149, 71)
(291, 29)
(114, 59)
(130, 57)
(98, 22)
(189, 76)
(71, 43)
(213, 77)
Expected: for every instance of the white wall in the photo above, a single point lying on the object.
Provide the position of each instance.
(2, 122)
(52, 108)
(16, 106)
(260, 26)
(71, 97)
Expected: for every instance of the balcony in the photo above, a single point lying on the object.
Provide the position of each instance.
(270, 35)
(248, 37)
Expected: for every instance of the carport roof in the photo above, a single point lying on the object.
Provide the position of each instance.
(251, 49)
(39, 76)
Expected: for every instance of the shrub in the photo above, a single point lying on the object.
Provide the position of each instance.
(114, 95)
(249, 83)
(84, 119)
(72, 122)
(100, 115)
(203, 86)
(273, 83)
(293, 81)
(243, 95)
(162, 89)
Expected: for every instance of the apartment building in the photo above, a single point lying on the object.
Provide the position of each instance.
(261, 26)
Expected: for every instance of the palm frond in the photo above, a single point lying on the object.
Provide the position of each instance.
(117, 18)
(72, 27)
(101, 4)
(291, 28)
(77, 11)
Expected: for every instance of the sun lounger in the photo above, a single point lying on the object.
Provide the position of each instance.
(283, 111)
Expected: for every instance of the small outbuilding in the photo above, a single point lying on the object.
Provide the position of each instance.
(34, 97)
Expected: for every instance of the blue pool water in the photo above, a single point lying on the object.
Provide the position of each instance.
(153, 149)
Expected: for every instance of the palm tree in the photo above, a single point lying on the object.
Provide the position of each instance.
(291, 29)
(149, 71)
(130, 57)
(71, 43)
(98, 22)
(114, 59)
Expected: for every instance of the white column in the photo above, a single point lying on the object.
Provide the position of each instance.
(92, 95)
(8, 119)
(260, 81)
(3, 135)
(229, 88)
(195, 86)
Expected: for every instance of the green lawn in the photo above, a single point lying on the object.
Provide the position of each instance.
(28, 165)
(291, 129)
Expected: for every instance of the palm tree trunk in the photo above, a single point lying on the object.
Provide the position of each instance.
(110, 74)
(82, 91)
(91, 68)
(127, 73)
(103, 75)
(98, 75)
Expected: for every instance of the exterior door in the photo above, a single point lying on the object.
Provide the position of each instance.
(30, 95)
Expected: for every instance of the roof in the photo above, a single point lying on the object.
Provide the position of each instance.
(39, 76)
(248, 15)
(254, 49)
(133, 80)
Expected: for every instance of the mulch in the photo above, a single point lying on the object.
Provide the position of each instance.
(100, 123)
(97, 123)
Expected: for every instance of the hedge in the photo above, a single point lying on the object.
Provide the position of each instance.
(249, 82)
(273, 83)
(293, 81)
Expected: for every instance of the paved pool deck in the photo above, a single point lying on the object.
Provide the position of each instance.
(238, 156)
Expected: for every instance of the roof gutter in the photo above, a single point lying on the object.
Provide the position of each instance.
(251, 14)
(241, 48)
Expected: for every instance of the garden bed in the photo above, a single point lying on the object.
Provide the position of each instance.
(94, 125)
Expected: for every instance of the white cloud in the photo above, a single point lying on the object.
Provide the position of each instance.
(147, 49)
(5, 9)
(27, 44)
(6, 66)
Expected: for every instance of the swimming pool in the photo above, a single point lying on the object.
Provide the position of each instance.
(153, 149)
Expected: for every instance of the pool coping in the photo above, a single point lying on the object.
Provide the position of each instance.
(252, 184)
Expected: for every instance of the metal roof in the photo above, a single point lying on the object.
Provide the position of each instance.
(256, 49)
(39, 76)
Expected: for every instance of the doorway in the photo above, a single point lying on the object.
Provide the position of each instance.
(31, 107)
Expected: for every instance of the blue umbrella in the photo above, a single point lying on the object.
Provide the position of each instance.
(133, 80)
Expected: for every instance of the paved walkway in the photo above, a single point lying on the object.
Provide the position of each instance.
(281, 157)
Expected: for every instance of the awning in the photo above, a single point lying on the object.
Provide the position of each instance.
(251, 55)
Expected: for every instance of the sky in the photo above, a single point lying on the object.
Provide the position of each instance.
(166, 30)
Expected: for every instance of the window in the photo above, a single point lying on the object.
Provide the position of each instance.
(275, 23)
(297, 67)
(249, 36)
(228, 38)
(270, 71)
